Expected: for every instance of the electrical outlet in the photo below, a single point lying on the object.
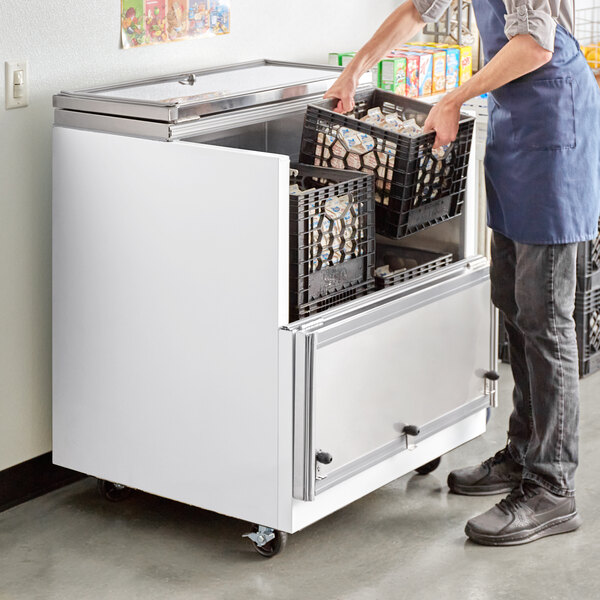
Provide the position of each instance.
(16, 84)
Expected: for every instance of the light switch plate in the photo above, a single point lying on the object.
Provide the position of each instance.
(14, 100)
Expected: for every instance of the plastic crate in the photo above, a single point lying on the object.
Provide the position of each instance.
(587, 324)
(332, 254)
(319, 305)
(503, 345)
(588, 264)
(427, 262)
(413, 189)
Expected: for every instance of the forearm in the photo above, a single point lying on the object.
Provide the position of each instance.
(521, 55)
(402, 25)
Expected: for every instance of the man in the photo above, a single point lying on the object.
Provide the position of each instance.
(542, 178)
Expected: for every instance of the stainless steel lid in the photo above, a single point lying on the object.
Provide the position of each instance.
(188, 96)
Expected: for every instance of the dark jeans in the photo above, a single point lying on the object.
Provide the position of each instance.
(534, 286)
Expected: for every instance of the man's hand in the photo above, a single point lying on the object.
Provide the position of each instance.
(403, 24)
(443, 119)
(343, 90)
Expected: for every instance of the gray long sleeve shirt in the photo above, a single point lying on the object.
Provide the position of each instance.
(538, 18)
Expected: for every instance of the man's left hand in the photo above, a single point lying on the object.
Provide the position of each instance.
(443, 119)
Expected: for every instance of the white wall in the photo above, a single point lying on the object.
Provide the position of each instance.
(72, 44)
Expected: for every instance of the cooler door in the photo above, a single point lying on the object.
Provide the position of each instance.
(415, 358)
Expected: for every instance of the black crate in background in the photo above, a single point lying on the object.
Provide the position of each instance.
(588, 264)
(413, 189)
(503, 345)
(320, 279)
(427, 262)
(587, 324)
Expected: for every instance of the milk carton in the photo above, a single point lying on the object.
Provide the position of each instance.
(392, 75)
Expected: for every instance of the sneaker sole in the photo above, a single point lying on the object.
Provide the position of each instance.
(480, 490)
(560, 525)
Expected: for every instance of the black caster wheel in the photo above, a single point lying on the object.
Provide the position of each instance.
(113, 492)
(429, 467)
(273, 546)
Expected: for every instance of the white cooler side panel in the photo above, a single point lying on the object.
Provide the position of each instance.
(170, 283)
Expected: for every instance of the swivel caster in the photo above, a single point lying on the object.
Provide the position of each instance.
(113, 492)
(429, 467)
(267, 541)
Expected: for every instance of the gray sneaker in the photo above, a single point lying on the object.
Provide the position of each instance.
(528, 513)
(499, 474)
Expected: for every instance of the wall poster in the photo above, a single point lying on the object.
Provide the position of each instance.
(145, 22)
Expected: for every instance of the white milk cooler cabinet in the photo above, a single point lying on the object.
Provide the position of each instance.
(176, 369)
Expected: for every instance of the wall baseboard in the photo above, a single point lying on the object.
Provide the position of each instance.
(31, 479)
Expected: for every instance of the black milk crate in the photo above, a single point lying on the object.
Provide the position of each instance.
(331, 257)
(321, 304)
(503, 345)
(413, 189)
(588, 264)
(427, 262)
(587, 324)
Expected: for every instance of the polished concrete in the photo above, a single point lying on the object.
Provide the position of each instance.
(403, 541)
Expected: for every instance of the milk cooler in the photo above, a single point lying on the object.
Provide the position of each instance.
(176, 367)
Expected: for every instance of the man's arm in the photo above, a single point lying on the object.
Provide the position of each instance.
(521, 55)
(402, 25)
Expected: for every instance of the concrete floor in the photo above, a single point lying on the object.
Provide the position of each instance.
(403, 541)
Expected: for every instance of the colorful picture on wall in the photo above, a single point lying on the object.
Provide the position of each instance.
(145, 22)
(156, 21)
(132, 23)
(177, 19)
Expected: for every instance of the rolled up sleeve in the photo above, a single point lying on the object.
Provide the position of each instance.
(431, 11)
(533, 17)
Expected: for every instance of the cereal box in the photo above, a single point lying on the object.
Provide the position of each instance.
(439, 72)
(412, 74)
(392, 75)
(345, 58)
(425, 73)
(334, 59)
(466, 64)
(340, 59)
(438, 58)
(452, 67)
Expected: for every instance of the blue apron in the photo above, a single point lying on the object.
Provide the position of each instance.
(542, 158)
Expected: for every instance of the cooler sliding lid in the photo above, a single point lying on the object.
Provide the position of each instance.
(188, 96)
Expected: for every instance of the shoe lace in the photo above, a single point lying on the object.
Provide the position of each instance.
(517, 497)
(498, 458)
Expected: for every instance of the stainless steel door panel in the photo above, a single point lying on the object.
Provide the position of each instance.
(417, 359)
(179, 105)
(189, 95)
(407, 371)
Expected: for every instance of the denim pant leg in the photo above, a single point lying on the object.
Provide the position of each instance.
(544, 294)
(503, 296)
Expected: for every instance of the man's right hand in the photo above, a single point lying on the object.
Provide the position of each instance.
(343, 90)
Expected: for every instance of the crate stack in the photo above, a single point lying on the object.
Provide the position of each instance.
(503, 345)
(414, 188)
(587, 306)
(587, 310)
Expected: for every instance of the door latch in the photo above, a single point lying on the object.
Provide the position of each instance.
(411, 431)
(322, 458)
(489, 386)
